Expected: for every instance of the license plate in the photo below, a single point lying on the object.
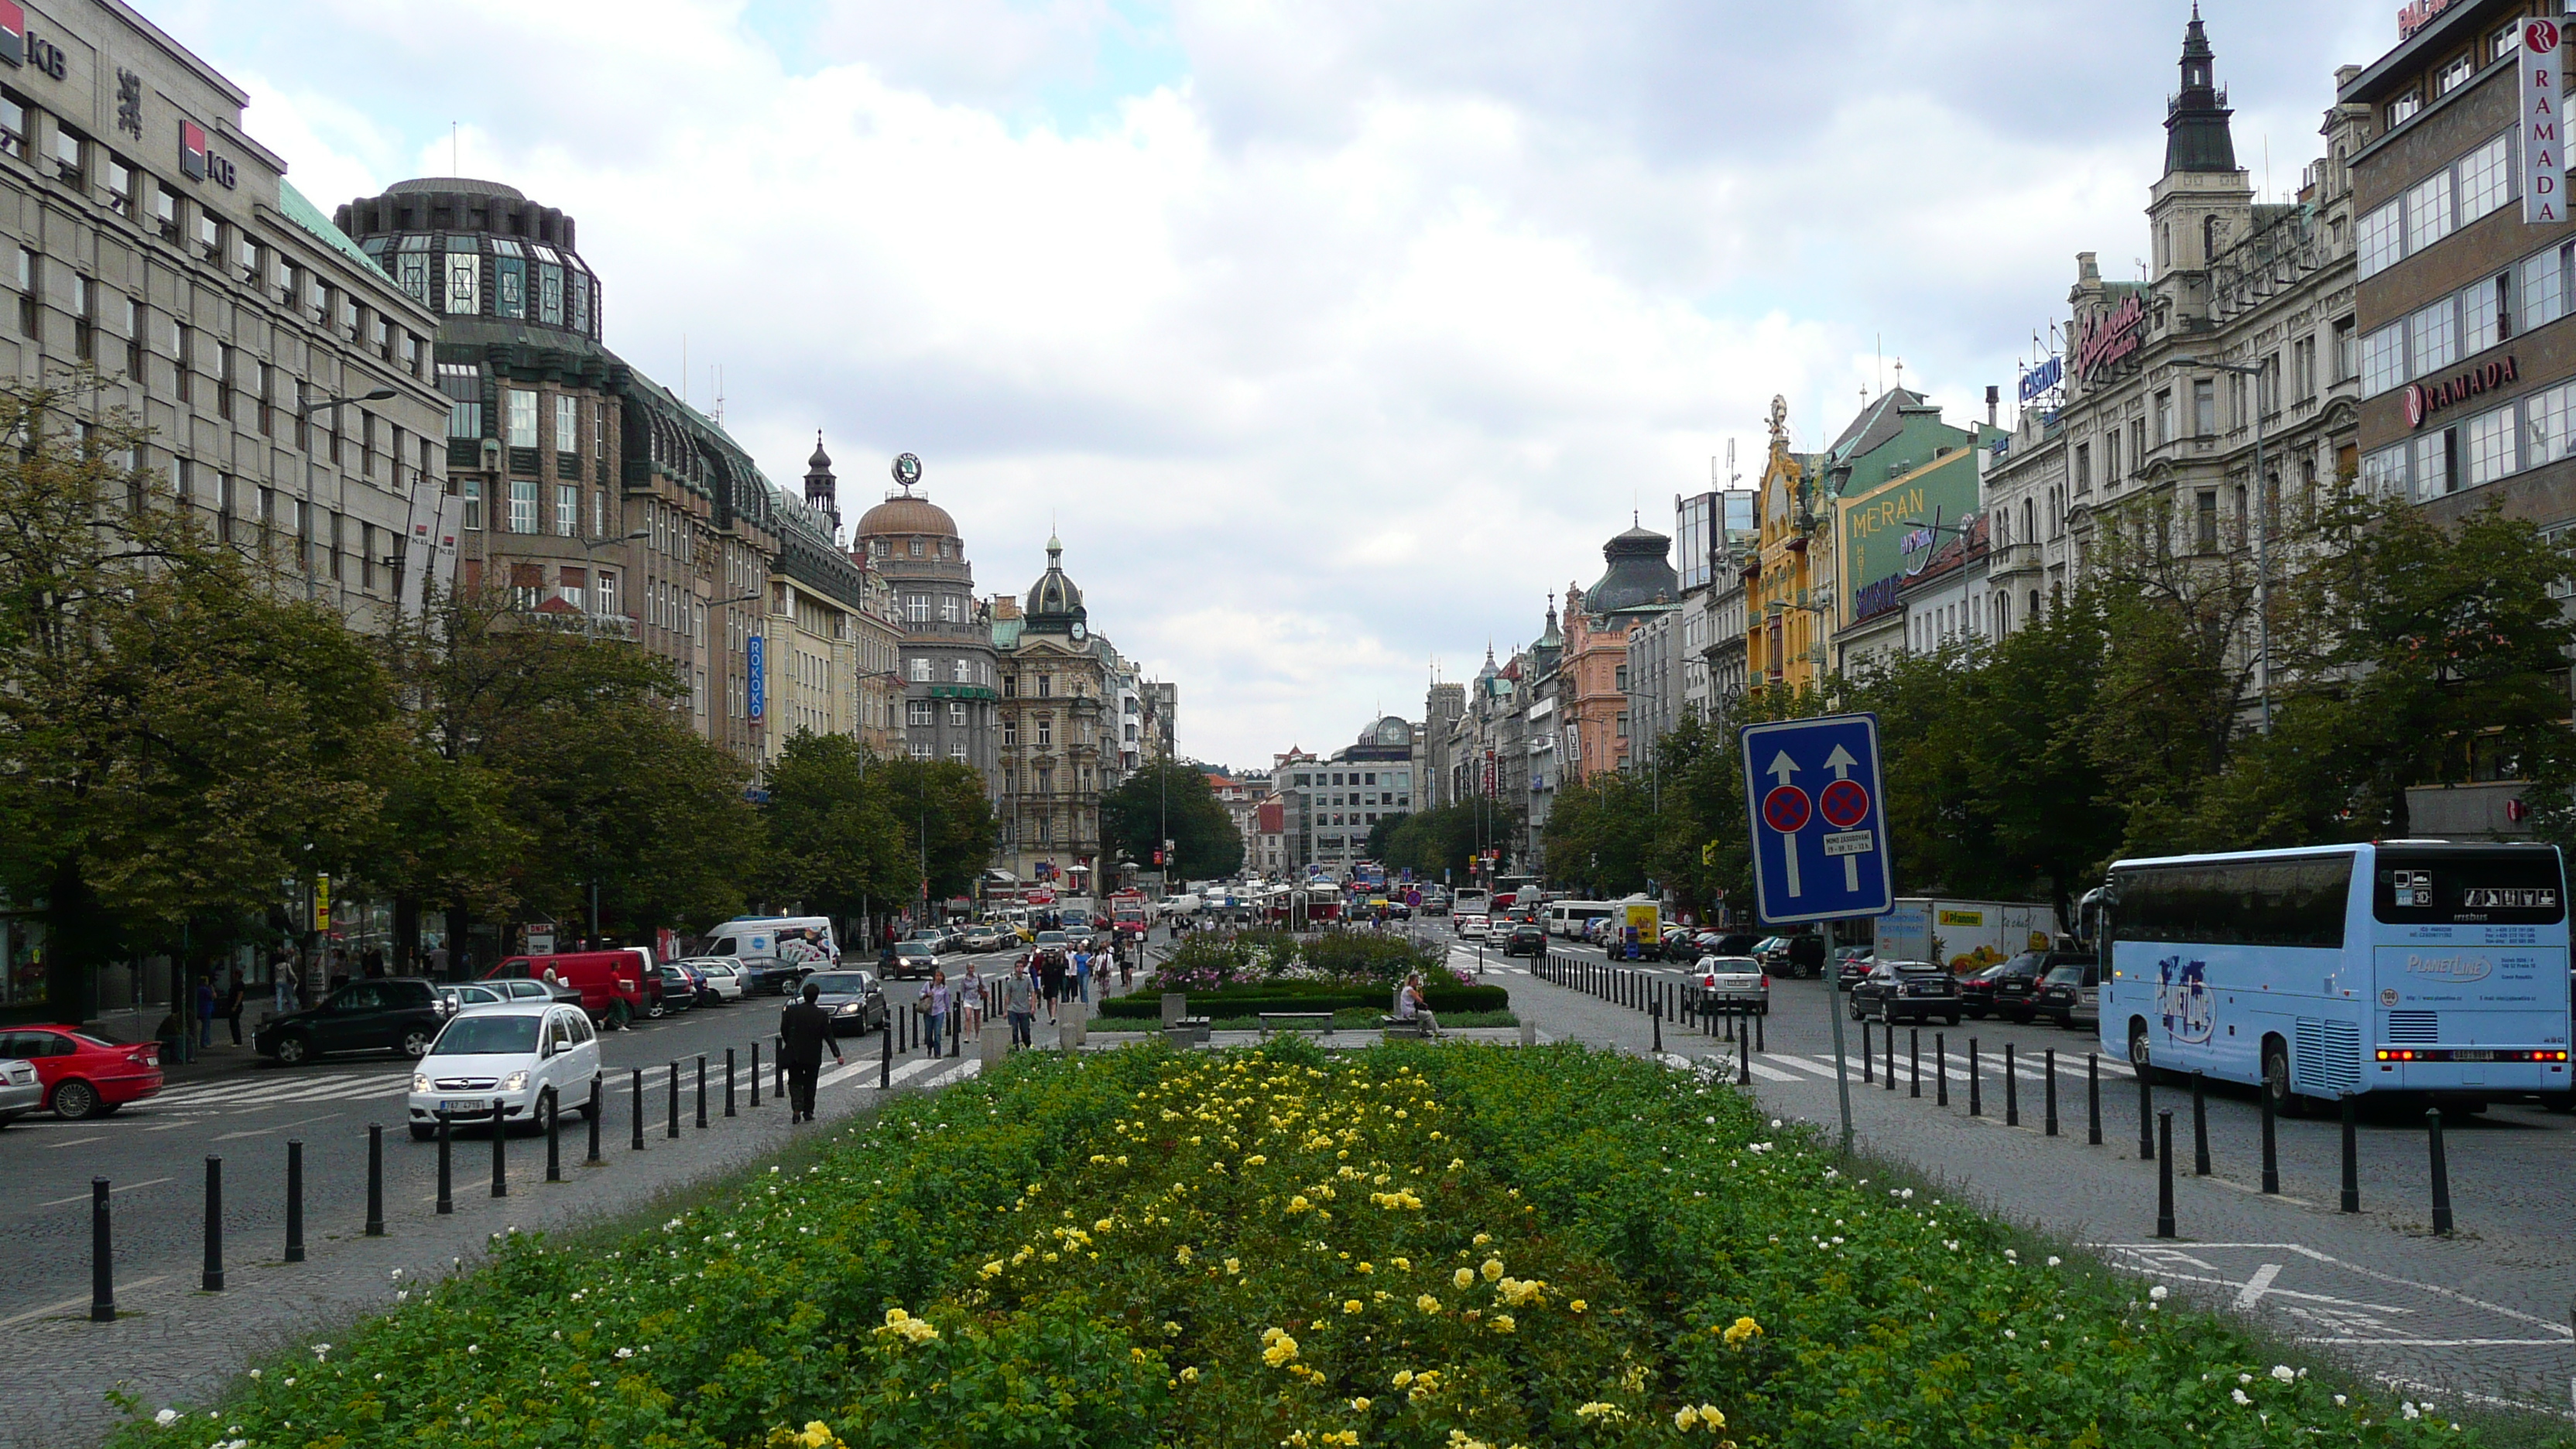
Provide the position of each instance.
(2473, 1056)
(459, 1109)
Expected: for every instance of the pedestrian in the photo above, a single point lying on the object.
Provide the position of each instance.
(804, 1030)
(233, 1005)
(205, 1011)
(970, 1002)
(281, 975)
(1411, 1005)
(1051, 979)
(937, 1014)
(1019, 1005)
(1128, 951)
(438, 963)
(1082, 975)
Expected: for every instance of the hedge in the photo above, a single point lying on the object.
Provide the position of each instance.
(1306, 996)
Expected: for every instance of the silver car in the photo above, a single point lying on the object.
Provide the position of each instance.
(1728, 982)
(20, 1092)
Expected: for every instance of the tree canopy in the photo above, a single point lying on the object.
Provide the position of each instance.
(1170, 800)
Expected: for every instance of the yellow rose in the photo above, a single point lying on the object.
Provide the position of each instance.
(1464, 1277)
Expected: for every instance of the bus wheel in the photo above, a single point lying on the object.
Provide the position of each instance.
(2276, 1079)
(2139, 1055)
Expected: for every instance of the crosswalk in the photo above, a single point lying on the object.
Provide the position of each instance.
(1768, 1067)
(228, 1095)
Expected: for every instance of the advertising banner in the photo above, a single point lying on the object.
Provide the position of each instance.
(2544, 163)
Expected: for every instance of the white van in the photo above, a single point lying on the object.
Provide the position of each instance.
(799, 942)
(1568, 918)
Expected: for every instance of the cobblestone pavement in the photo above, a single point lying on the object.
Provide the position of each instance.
(2483, 1313)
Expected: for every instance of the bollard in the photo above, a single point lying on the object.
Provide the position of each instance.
(1976, 1082)
(1732, 1012)
(702, 1091)
(729, 1082)
(2271, 1151)
(755, 1074)
(2164, 1176)
(1887, 1073)
(592, 1114)
(2351, 1162)
(294, 1200)
(1914, 1060)
(672, 1128)
(637, 1083)
(554, 1140)
(778, 1082)
(446, 1198)
(500, 1149)
(2092, 1099)
(885, 1062)
(213, 1281)
(2049, 1075)
(2199, 1124)
(2146, 1117)
(1655, 1014)
(1866, 1055)
(1940, 1069)
(2012, 1090)
(375, 1179)
(1743, 1068)
(2441, 1172)
(1759, 1018)
(102, 1263)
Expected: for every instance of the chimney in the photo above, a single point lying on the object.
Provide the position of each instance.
(1994, 395)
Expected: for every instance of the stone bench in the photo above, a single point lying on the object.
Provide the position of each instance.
(1412, 1028)
(1187, 1031)
(1321, 1018)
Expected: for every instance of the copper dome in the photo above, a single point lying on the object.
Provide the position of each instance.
(904, 515)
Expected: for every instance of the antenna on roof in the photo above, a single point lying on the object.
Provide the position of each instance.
(455, 148)
(716, 374)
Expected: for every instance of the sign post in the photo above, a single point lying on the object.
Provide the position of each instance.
(1812, 801)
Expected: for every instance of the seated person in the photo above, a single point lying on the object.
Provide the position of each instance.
(1411, 1005)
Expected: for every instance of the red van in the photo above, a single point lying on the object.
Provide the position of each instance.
(612, 983)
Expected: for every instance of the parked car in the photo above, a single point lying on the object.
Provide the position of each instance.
(1473, 927)
(679, 986)
(615, 986)
(1727, 982)
(2071, 992)
(1526, 939)
(723, 978)
(766, 976)
(391, 1014)
(854, 999)
(2008, 988)
(1895, 991)
(524, 991)
(472, 996)
(917, 959)
(524, 1056)
(21, 1090)
(80, 1075)
(1772, 952)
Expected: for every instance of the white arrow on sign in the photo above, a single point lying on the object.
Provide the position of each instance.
(1782, 767)
(1840, 762)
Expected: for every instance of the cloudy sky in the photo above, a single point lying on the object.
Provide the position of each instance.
(1331, 336)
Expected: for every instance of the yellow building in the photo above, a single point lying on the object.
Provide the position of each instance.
(1790, 579)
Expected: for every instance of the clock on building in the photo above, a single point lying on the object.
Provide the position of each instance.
(1079, 631)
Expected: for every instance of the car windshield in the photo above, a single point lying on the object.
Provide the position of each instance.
(838, 983)
(2066, 976)
(493, 1035)
(913, 948)
(1052, 938)
(1915, 968)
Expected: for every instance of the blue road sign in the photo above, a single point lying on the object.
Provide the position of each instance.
(1819, 830)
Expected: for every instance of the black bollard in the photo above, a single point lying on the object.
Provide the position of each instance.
(1887, 1073)
(1655, 1014)
(1976, 1082)
(446, 1197)
(2092, 1099)
(2012, 1090)
(2199, 1124)
(2164, 1176)
(2441, 1172)
(885, 1061)
(294, 1200)
(213, 1281)
(2351, 1162)
(2271, 1150)
(755, 1074)
(702, 1091)
(1733, 1012)
(1914, 1061)
(729, 1082)
(1867, 1056)
(2146, 1117)
(102, 1262)
(672, 1128)
(1743, 1068)
(1759, 1017)
(554, 1140)
(637, 1082)
(2049, 1075)
(500, 1149)
(592, 1116)
(375, 1179)
(778, 1065)
(1940, 1069)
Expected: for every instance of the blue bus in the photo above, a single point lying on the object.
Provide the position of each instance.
(2435, 970)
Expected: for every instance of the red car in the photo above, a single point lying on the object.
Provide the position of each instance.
(82, 1075)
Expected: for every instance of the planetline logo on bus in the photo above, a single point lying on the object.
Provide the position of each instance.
(2456, 968)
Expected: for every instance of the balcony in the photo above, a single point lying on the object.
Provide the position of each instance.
(2012, 560)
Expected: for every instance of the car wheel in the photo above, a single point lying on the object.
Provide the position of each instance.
(75, 1099)
(656, 1011)
(420, 1133)
(2276, 1078)
(2141, 1056)
(415, 1042)
(545, 1106)
(1887, 1014)
(293, 1050)
(1856, 1013)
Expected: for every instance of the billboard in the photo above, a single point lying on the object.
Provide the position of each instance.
(1901, 531)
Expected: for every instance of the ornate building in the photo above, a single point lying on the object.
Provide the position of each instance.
(1592, 689)
(950, 671)
(1059, 749)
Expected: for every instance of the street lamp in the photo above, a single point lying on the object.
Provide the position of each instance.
(2262, 531)
(306, 410)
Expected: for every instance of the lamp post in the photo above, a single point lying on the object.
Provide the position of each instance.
(305, 410)
(2262, 529)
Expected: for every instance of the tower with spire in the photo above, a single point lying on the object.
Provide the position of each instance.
(822, 490)
(2203, 203)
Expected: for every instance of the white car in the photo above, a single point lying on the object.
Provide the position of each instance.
(1473, 927)
(20, 1092)
(724, 977)
(521, 1055)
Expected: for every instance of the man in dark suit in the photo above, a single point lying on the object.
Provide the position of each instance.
(804, 1030)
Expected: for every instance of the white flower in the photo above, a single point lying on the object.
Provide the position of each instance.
(626, 1353)
(321, 1350)
(168, 1417)
(473, 1348)
(2245, 1378)
(2239, 1396)
(2338, 1401)
(2410, 1411)
(254, 1373)
(2008, 1333)
(2009, 1253)
(2285, 1373)
(1908, 1194)
(2053, 1260)
(2158, 1293)
(1775, 1122)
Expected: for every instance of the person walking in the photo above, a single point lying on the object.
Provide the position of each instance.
(1082, 974)
(938, 1010)
(205, 1011)
(970, 1002)
(804, 1030)
(233, 997)
(1019, 1005)
(1051, 979)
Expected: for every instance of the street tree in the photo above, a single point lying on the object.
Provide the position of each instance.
(1171, 800)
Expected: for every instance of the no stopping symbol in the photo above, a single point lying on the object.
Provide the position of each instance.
(1843, 803)
(1785, 809)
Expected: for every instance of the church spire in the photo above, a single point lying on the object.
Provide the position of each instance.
(2197, 137)
(821, 489)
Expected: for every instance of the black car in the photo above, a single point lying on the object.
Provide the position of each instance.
(853, 999)
(1895, 991)
(392, 1014)
(1526, 939)
(2071, 990)
(2005, 988)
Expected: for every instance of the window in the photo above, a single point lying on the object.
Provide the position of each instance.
(84, 318)
(2432, 465)
(921, 671)
(2490, 446)
(2434, 337)
(2383, 359)
(472, 489)
(183, 355)
(2204, 407)
(2164, 417)
(463, 385)
(1046, 733)
(567, 510)
(607, 592)
(2083, 467)
(2428, 212)
(568, 425)
(2381, 238)
(120, 187)
(465, 281)
(2303, 367)
(2486, 180)
(2344, 361)
(957, 751)
(599, 514)
(2546, 420)
(13, 127)
(210, 234)
(68, 144)
(2204, 526)
(950, 608)
(917, 713)
(1046, 685)
(2460, 68)
(959, 672)
(956, 713)
(2544, 289)
(522, 417)
(916, 607)
(134, 325)
(2137, 444)
(2486, 315)
(523, 505)
(1010, 732)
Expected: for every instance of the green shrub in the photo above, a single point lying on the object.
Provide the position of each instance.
(1305, 996)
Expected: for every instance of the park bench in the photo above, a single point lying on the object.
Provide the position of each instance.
(1401, 1026)
(1321, 1018)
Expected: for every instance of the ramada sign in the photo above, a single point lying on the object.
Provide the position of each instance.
(2423, 399)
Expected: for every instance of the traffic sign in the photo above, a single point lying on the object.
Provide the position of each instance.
(1812, 786)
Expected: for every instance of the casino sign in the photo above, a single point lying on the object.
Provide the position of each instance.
(2423, 399)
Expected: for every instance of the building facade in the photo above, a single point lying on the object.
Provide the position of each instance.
(1592, 688)
(951, 674)
(1059, 731)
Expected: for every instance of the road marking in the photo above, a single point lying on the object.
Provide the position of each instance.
(1820, 1068)
(81, 1301)
(280, 1127)
(84, 1197)
(2258, 1285)
(839, 1072)
(77, 1141)
(1769, 1074)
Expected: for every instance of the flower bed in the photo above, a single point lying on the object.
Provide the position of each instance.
(1460, 1247)
(1305, 996)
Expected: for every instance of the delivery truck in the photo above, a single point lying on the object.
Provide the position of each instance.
(1964, 935)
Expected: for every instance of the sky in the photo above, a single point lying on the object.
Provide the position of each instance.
(1331, 337)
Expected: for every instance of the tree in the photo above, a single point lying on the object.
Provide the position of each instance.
(1380, 834)
(1600, 834)
(1169, 800)
(939, 809)
(835, 845)
(1442, 844)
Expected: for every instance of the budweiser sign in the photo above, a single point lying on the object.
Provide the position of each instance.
(2423, 399)
(2111, 337)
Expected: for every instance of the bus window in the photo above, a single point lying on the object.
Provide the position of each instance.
(2463, 887)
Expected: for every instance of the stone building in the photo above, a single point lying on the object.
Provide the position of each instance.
(951, 673)
(1638, 583)
(1059, 745)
